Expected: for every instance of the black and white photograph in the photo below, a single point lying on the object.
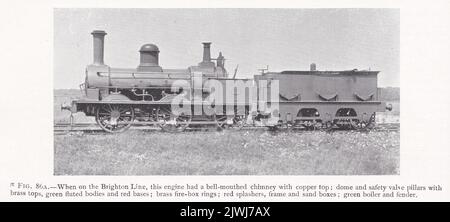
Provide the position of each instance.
(226, 91)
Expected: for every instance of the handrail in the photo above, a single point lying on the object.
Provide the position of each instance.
(145, 75)
(124, 71)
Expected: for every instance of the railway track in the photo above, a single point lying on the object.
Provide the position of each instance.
(92, 128)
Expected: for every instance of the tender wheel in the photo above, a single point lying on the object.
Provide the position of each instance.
(318, 125)
(358, 125)
(346, 124)
(221, 121)
(310, 125)
(328, 125)
(237, 122)
(371, 123)
(170, 122)
(115, 118)
(362, 125)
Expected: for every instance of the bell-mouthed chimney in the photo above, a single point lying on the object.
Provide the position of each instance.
(99, 44)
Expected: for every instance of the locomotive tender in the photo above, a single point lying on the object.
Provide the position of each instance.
(147, 94)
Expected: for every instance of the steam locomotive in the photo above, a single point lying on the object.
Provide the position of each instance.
(206, 94)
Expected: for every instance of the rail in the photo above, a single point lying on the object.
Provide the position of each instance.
(92, 128)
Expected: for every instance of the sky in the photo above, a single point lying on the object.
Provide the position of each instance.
(283, 39)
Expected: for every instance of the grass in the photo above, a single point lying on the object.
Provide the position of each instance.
(228, 153)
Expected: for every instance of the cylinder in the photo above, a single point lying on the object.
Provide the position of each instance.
(99, 42)
(312, 67)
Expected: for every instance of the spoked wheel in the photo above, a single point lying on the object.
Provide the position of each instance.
(237, 122)
(364, 125)
(347, 124)
(170, 122)
(328, 125)
(318, 124)
(310, 125)
(221, 121)
(358, 124)
(115, 118)
(372, 121)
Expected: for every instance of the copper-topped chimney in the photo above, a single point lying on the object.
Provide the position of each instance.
(99, 42)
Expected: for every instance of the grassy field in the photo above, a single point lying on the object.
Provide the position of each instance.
(228, 153)
(253, 152)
